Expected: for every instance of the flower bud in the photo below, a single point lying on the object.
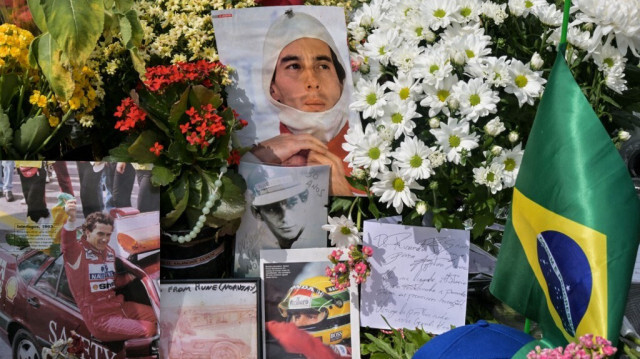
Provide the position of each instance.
(536, 62)
(513, 136)
(453, 103)
(623, 136)
(434, 122)
(421, 207)
(428, 35)
(358, 173)
(496, 150)
(358, 33)
(458, 58)
(494, 127)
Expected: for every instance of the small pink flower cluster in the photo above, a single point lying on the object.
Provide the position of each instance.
(587, 348)
(357, 266)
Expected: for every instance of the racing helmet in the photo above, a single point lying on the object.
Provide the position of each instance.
(328, 306)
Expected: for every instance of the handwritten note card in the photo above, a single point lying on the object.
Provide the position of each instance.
(418, 277)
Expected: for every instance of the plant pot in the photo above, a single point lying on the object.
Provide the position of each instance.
(206, 256)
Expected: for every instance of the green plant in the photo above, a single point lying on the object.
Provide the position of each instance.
(178, 122)
(396, 343)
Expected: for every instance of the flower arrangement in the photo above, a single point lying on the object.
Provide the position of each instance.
(177, 121)
(587, 347)
(447, 92)
(343, 233)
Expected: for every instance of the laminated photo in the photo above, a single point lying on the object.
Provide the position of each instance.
(305, 314)
(79, 257)
(292, 83)
(286, 208)
(215, 318)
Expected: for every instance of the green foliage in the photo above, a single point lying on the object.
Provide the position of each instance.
(397, 344)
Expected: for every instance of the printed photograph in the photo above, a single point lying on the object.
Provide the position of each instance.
(305, 315)
(215, 318)
(79, 257)
(292, 85)
(286, 209)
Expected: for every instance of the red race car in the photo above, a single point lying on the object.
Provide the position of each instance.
(37, 308)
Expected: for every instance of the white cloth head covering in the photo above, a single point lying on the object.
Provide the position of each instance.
(287, 28)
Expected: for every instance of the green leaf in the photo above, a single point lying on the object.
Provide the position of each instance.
(232, 204)
(35, 8)
(201, 95)
(123, 5)
(6, 133)
(384, 346)
(139, 150)
(120, 153)
(178, 108)
(175, 200)
(31, 134)
(76, 25)
(51, 61)
(162, 176)
(130, 29)
(340, 204)
(9, 87)
(138, 62)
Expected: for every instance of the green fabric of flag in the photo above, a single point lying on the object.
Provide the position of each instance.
(570, 243)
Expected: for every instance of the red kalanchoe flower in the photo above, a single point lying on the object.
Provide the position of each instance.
(156, 148)
(234, 158)
(185, 127)
(130, 113)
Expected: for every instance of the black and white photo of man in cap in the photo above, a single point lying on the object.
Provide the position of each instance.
(275, 203)
(286, 208)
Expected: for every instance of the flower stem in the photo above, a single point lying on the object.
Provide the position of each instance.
(55, 131)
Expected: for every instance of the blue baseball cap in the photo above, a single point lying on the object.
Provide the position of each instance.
(481, 340)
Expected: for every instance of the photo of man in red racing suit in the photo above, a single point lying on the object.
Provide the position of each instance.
(90, 268)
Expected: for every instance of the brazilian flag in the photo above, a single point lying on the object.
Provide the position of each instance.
(570, 243)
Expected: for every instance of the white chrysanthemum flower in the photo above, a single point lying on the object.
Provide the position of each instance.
(614, 78)
(622, 18)
(494, 127)
(414, 29)
(439, 13)
(454, 139)
(476, 99)
(490, 176)
(470, 48)
(367, 150)
(404, 56)
(404, 87)
(548, 14)
(433, 66)
(437, 97)
(496, 12)
(342, 231)
(398, 117)
(434, 122)
(510, 160)
(607, 56)
(369, 99)
(437, 158)
(494, 70)
(367, 15)
(526, 84)
(381, 44)
(468, 10)
(513, 136)
(412, 159)
(395, 190)
(524, 7)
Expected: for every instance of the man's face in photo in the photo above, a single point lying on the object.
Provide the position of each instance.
(100, 235)
(281, 219)
(305, 76)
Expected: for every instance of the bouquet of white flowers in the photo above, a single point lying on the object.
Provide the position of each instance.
(447, 91)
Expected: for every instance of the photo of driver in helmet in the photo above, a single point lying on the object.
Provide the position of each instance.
(312, 320)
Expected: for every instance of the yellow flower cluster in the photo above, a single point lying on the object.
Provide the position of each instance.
(14, 47)
(38, 99)
(85, 97)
